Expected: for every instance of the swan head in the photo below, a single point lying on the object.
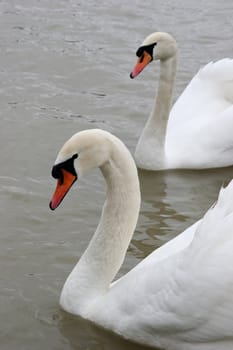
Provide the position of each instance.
(157, 46)
(83, 151)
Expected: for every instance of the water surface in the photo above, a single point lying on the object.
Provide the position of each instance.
(64, 67)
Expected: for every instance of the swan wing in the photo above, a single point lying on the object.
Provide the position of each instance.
(208, 94)
(200, 124)
(186, 294)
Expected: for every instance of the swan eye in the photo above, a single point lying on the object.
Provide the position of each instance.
(67, 165)
(56, 172)
(140, 51)
(147, 48)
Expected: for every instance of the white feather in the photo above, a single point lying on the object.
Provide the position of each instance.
(181, 296)
(197, 132)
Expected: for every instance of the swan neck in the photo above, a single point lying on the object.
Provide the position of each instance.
(105, 253)
(117, 222)
(150, 150)
(163, 100)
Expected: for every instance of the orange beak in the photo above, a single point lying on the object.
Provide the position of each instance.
(63, 185)
(142, 62)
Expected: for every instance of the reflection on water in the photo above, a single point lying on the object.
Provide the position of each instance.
(78, 330)
(65, 67)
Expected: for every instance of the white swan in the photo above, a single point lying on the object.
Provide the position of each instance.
(181, 296)
(198, 132)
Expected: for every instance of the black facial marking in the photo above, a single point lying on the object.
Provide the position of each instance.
(147, 48)
(67, 165)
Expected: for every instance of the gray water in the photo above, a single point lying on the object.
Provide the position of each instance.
(64, 67)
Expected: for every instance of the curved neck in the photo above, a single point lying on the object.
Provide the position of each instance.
(160, 113)
(103, 257)
(152, 140)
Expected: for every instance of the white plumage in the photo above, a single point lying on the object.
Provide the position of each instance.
(181, 296)
(197, 131)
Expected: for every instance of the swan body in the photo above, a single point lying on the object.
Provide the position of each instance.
(181, 296)
(197, 131)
